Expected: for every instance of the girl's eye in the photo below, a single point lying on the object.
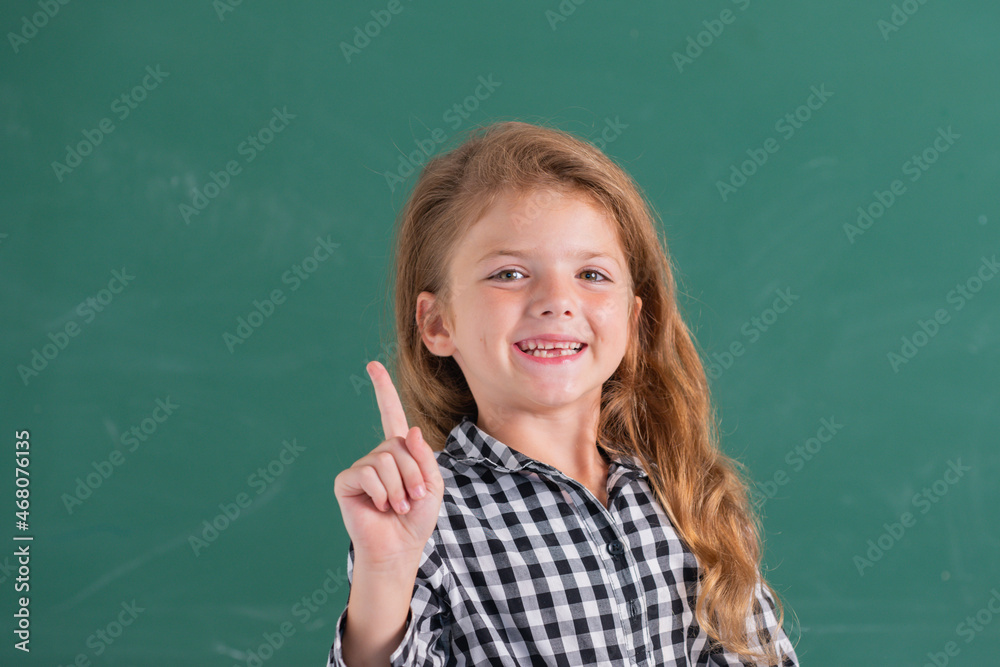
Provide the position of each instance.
(506, 271)
(500, 273)
(597, 273)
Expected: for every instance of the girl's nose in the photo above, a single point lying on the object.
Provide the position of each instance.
(554, 294)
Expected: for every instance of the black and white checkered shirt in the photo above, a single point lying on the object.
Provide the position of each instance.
(526, 567)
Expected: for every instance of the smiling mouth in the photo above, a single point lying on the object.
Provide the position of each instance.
(554, 352)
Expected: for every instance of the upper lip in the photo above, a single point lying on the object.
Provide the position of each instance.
(553, 338)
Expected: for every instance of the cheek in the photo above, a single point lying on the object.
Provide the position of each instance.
(609, 315)
(498, 304)
(471, 306)
(489, 315)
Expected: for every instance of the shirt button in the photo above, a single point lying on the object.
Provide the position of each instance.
(634, 607)
(616, 548)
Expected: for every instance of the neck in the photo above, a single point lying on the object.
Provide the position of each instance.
(566, 441)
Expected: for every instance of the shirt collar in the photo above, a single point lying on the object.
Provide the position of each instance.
(469, 443)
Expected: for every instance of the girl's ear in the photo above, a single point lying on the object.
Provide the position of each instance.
(433, 329)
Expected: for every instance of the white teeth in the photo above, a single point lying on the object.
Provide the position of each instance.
(552, 353)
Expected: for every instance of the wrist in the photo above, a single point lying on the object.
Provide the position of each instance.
(393, 566)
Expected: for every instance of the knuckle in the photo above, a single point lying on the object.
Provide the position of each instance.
(370, 475)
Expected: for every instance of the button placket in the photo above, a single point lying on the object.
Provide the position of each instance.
(616, 548)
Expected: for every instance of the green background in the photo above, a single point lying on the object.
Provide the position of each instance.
(300, 375)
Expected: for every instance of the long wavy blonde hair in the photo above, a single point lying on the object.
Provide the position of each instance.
(656, 406)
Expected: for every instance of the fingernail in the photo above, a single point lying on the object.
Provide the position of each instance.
(419, 492)
(404, 506)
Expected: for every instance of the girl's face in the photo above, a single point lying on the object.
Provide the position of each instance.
(547, 265)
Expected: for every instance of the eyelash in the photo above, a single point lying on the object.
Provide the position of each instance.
(502, 271)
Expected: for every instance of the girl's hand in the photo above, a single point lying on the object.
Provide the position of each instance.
(374, 492)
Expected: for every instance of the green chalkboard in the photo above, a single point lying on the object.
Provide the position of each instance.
(198, 201)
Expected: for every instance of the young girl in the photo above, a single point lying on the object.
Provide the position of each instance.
(562, 498)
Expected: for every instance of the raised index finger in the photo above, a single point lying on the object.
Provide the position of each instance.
(389, 405)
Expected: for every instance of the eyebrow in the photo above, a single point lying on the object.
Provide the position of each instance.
(580, 254)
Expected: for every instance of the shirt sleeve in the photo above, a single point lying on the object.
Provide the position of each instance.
(427, 640)
(762, 624)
